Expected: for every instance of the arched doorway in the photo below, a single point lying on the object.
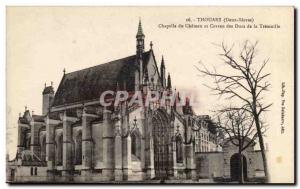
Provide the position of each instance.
(235, 167)
(163, 156)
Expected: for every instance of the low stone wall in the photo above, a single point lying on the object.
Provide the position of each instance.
(209, 164)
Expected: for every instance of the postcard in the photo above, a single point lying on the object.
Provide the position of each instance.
(150, 95)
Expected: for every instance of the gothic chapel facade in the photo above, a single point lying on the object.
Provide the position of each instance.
(78, 140)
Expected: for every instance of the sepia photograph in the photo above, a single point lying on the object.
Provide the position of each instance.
(150, 95)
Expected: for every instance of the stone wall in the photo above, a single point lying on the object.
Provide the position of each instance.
(27, 174)
(209, 164)
(258, 162)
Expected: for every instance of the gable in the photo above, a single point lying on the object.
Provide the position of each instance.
(152, 70)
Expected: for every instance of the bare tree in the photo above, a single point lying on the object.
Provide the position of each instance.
(245, 83)
(238, 126)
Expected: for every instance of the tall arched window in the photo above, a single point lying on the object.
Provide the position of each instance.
(59, 150)
(135, 145)
(27, 142)
(43, 148)
(179, 152)
(78, 148)
(24, 138)
(73, 146)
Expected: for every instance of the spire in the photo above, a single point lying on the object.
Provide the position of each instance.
(162, 62)
(169, 84)
(163, 72)
(140, 30)
(140, 41)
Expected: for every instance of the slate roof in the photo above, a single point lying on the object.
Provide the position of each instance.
(211, 125)
(89, 83)
(26, 118)
(48, 90)
(38, 118)
(23, 120)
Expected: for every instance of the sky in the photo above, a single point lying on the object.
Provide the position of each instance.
(42, 41)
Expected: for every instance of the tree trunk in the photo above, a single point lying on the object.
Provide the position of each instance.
(241, 167)
(262, 146)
